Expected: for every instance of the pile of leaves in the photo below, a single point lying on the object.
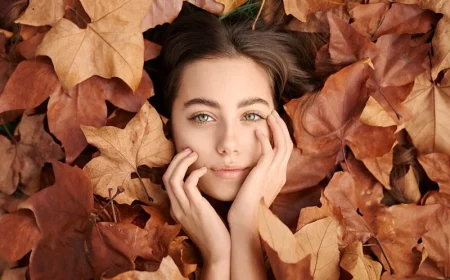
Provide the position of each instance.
(368, 185)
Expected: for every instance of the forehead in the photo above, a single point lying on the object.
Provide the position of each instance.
(227, 80)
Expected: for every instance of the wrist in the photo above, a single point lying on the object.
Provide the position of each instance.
(218, 255)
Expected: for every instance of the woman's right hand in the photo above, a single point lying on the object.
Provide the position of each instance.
(195, 214)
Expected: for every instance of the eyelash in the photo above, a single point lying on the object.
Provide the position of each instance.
(203, 123)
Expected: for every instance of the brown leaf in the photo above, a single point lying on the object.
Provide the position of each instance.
(230, 5)
(441, 47)
(406, 19)
(62, 213)
(159, 12)
(208, 5)
(168, 270)
(100, 49)
(42, 12)
(367, 17)
(429, 114)
(85, 105)
(287, 206)
(305, 171)
(113, 248)
(325, 122)
(7, 66)
(30, 84)
(341, 192)
(151, 50)
(23, 160)
(142, 142)
(20, 224)
(28, 48)
(399, 228)
(184, 255)
(301, 8)
(15, 274)
(439, 6)
(380, 112)
(359, 265)
(317, 239)
(437, 240)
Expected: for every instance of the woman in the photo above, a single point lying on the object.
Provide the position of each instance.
(223, 87)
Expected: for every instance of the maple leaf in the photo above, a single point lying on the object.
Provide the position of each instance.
(230, 5)
(325, 122)
(395, 61)
(359, 265)
(317, 239)
(406, 19)
(113, 248)
(67, 110)
(184, 254)
(62, 214)
(301, 8)
(437, 167)
(22, 160)
(13, 225)
(430, 114)
(168, 270)
(39, 12)
(304, 171)
(439, 6)
(111, 45)
(441, 47)
(142, 142)
(366, 17)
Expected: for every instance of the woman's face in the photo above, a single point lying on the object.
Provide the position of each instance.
(220, 104)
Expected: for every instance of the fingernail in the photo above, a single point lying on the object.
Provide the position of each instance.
(192, 154)
(188, 150)
(275, 113)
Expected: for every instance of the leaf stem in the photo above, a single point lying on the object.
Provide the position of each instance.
(119, 191)
(257, 16)
(143, 186)
(391, 270)
(112, 205)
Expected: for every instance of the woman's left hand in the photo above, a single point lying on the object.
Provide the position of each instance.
(269, 175)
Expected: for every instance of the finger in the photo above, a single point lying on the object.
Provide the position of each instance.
(190, 185)
(287, 137)
(266, 150)
(169, 180)
(174, 162)
(279, 139)
(178, 178)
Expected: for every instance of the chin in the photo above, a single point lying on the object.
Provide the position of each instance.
(221, 191)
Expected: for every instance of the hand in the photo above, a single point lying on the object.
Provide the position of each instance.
(190, 209)
(269, 175)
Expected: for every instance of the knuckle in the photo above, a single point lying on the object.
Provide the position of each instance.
(172, 181)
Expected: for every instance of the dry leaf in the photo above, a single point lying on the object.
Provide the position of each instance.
(359, 265)
(142, 142)
(317, 239)
(111, 45)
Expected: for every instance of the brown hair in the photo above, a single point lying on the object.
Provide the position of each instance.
(288, 57)
(10, 11)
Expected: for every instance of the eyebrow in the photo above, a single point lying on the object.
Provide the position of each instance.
(212, 103)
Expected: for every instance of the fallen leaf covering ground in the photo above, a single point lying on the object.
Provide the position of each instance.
(368, 187)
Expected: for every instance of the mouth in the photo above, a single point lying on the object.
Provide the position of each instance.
(231, 173)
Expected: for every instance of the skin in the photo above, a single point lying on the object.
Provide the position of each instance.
(228, 134)
(253, 136)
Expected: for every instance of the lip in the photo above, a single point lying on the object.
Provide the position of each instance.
(231, 173)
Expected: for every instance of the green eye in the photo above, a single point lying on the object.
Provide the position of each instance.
(202, 118)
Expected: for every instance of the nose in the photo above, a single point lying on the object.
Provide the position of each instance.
(228, 142)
